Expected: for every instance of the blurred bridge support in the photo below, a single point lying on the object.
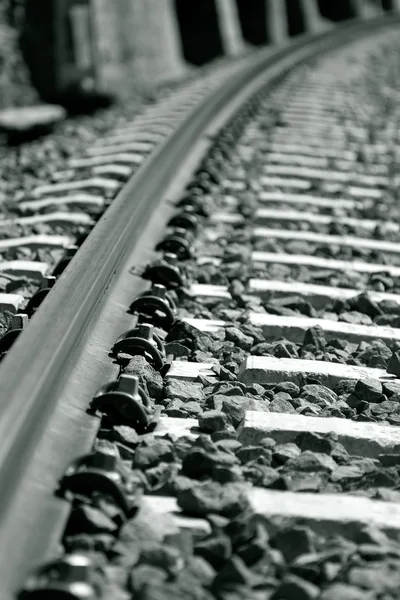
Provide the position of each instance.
(155, 41)
(313, 20)
(229, 27)
(364, 9)
(277, 21)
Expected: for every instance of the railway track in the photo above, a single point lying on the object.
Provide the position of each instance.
(205, 403)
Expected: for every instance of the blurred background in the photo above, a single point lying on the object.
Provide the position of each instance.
(77, 51)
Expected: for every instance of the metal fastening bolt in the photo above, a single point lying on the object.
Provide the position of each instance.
(171, 258)
(160, 291)
(145, 331)
(106, 461)
(129, 384)
(48, 282)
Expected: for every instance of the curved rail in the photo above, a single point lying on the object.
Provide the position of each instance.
(44, 393)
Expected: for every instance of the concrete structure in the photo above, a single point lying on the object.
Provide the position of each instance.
(277, 24)
(229, 26)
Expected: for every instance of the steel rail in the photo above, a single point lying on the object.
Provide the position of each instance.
(41, 375)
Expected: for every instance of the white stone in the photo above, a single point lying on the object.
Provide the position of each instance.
(324, 174)
(364, 192)
(120, 171)
(281, 134)
(104, 159)
(297, 159)
(168, 505)
(25, 268)
(55, 218)
(188, 371)
(127, 137)
(178, 427)
(294, 328)
(318, 262)
(237, 186)
(285, 182)
(34, 241)
(23, 118)
(310, 150)
(11, 302)
(327, 514)
(317, 295)
(94, 183)
(323, 238)
(310, 118)
(85, 201)
(140, 128)
(205, 290)
(144, 147)
(288, 198)
(268, 369)
(265, 215)
(205, 325)
(226, 218)
(359, 438)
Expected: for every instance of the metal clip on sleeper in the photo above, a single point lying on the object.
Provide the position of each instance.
(126, 403)
(72, 577)
(156, 306)
(179, 241)
(99, 472)
(144, 342)
(165, 271)
(187, 219)
(194, 203)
